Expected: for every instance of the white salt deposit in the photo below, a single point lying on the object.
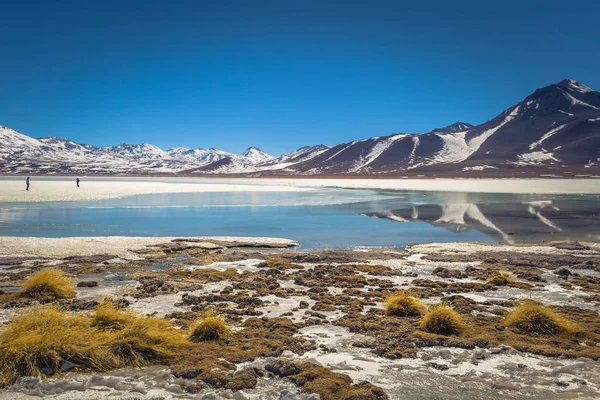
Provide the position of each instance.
(114, 245)
(566, 186)
(93, 189)
(470, 248)
(107, 188)
(240, 266)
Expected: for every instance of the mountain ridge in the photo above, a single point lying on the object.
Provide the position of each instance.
(555, 127)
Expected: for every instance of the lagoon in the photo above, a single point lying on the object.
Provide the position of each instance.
(317, 216)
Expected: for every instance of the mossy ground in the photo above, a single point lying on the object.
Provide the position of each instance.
(345, 283)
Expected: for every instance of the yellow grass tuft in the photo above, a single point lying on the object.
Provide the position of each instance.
(138, 340)
(209, 327)
(45, 337)
(49, 283)
(500, 278)
(109, 317)
(403, 305)
(532, 317)
(442, 320)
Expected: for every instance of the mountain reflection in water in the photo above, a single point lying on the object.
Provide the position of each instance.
(515, 222)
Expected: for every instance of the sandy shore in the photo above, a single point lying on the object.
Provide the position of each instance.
(65, 190)
(107, 188)
(121, 246)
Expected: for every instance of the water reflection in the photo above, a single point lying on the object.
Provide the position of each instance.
(509, 222)
(319, 219)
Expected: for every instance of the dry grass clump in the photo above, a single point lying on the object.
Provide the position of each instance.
(109, 317)
(44, 338)
(500, 278)
(209, 327)
(49, 283)
(138, 340)
(442, 320)
(403, 305)
(532, 317)
(40, 341)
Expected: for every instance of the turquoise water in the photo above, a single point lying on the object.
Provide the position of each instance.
(319, 219)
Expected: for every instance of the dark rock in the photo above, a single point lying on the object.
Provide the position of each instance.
(87, 284)
(245, 379)
(283, 368)
(563, 272)
(440, 367)
(571, 246)
(303, 304)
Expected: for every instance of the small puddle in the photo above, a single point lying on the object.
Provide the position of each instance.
(161, 266)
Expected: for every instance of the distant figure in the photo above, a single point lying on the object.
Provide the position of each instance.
(27, 183)
(77, 180)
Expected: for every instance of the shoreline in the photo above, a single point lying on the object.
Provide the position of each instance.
(123, 246)
(60, 188)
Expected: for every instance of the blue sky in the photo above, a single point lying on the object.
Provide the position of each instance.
(280, 74)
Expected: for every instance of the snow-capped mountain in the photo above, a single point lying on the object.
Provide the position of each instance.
(22, 154)
(201, 156)
(555, 128)
(254, 155)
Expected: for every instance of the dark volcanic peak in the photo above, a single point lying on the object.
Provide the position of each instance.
(574, 85)
(455, 127)
(566, 97)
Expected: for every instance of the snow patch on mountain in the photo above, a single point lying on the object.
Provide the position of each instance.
(547, 135)
(455, 149)
(479, 168)
(475, 143)
(346, 147)
(535, 158)
(302, 154)
(577, 102)
(375, 152)
(456, 127)
(411, 157)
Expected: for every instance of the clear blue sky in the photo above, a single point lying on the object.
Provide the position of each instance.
(280, 74)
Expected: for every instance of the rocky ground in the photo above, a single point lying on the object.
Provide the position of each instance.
(310, 325)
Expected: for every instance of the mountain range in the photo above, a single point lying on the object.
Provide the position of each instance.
(556, 128)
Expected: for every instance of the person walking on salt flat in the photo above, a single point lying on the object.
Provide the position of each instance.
(27, 183)
(77, 180)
